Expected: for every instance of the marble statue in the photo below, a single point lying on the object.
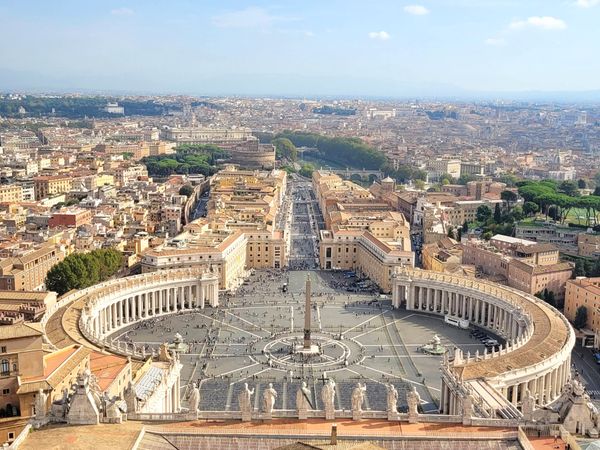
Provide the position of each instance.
(245, 401)
(131, 398)
(358, 397)
(269, 396)
(414, 400)
(528, 405)
(60, 407)
(303, 398)
(194, 398)
(328, 397)
(392, 399)
(40, 405)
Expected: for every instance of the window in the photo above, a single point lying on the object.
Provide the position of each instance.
(5, 391)
(3, 349)
(11, 436)
(5, 367)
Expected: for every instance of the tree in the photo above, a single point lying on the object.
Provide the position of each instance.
(419, 184)
(580, 318)
(186, 190)
(284, 148)
(465, 227)
(80, 270)
(465, 178)
(483, 213)
(579, 270)
(569, 188)
(497, 213)
(509, 197)
(530, 208)
(581, 184)
(487, 235)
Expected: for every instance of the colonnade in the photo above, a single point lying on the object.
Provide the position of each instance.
(122, 302)
(114, 313)
(505, 312)
(484, 311)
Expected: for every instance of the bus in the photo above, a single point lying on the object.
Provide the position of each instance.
(456, 321)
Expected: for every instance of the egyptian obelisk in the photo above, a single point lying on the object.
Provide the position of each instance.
(307, 314)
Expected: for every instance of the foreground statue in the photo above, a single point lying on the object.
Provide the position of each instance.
(414, 400)
(40, 405)
(269, 397)
(328, 397)
(245, 401)
(358, 398)
(392, 401)
(194, 399)
(303, 401)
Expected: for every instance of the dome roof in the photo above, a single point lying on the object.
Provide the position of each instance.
(387, 180)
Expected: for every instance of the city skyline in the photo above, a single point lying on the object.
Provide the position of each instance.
(448, 49)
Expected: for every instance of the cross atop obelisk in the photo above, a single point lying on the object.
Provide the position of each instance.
(307, 314)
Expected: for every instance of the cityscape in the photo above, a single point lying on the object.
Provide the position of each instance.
(255, 255)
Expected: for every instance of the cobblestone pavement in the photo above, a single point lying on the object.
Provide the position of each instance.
(227, 344)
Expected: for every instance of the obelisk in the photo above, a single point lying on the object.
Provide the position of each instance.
(307, 313)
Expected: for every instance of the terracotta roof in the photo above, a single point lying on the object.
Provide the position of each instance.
(57, 366)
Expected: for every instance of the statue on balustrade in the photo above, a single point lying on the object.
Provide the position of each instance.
(414, 400)
(303, 398)
(131, 398)
(328, 397)
(269, 396)
(392, 399)
(245, 401)
(358, 397)
(194, 400)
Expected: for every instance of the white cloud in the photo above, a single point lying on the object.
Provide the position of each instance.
(587, 3)
(380, 35)
(495, 42)
(251, 17)
(540, 22)
(416, 10)
(309, 33)
(122, 12)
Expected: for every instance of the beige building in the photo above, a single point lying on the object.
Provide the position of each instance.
(522, 264)
(363, 232)
(584, 292)
(50, 185)
(11, 193)
(28, 272)
(588, 244)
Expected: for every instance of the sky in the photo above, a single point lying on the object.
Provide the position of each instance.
(383, 48)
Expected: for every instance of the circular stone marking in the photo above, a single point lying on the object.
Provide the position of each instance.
(285, 351)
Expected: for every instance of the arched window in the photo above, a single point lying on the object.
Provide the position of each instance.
(5, 366)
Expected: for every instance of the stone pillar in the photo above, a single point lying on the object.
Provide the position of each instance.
(513, 399)
(420, 307)
(127, 310)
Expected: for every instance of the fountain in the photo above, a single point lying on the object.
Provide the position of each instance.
(433, 347)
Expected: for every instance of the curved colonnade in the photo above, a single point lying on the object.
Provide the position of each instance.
(144, 297)
(535, 360)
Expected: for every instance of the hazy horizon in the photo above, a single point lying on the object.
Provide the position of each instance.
(463, 49)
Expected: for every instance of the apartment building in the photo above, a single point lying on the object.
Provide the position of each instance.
(50, 185)
(11, 193)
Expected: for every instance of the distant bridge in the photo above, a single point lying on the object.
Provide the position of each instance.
(347, 173)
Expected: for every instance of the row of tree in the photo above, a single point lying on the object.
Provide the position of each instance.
(347, 152)
(195, 159)
(557, 199)
(80, 270)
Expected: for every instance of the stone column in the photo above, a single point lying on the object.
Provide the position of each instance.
(127, 310)
(420, 307)
(513, 399)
